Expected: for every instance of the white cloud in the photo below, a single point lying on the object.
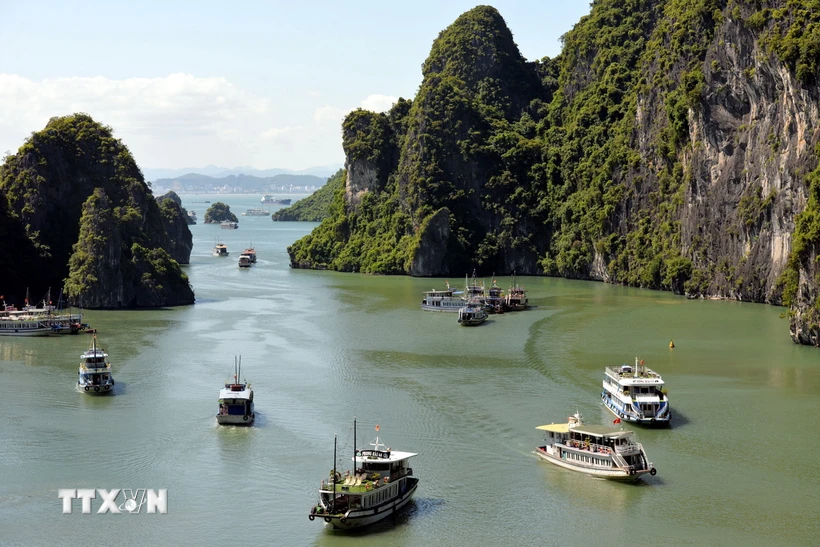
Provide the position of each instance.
(328, 114)
(314, 93)
(173, 121)
(184, 120)
(379, 103)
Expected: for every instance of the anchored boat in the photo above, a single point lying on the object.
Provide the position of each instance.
(94, 376)
(636, 394)
(380, 484)
(472, 314)
(236, 400)
(597, 450)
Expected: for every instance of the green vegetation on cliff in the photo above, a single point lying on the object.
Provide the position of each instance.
(219, 212)
(75, 169)
(315, 207)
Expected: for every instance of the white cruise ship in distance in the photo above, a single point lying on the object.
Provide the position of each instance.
(636, 394)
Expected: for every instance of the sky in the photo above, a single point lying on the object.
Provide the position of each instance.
(258, 84)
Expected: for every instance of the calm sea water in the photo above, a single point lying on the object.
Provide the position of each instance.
(740, 465)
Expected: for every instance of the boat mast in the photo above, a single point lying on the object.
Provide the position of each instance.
(333, 478)
(355, 450)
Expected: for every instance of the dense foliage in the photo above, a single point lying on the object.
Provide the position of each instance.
(219, 212)
(47, 184)
(315, 207)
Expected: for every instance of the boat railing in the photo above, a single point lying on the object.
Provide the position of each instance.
(628, 448)
(591, 447)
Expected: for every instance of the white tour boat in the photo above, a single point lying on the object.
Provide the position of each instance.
(472, 314)
(236, 401)
(256, 213)
(95, 376)
(220, 249)
(636, 394)
(229, 225)
(600, 451)
(449, 300)
(245, 261)
(380, 484)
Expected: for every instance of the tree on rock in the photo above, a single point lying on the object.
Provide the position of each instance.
(219, 212)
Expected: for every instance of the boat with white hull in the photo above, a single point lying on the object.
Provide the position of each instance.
(472, 314)
(596, 450)
(94, 376)
(636, 394)
(15, 326)
(379, 486)
(442, 300)
(236, 401)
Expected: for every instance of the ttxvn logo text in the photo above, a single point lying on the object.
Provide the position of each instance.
(117, 500)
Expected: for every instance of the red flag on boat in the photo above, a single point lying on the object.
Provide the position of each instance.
(616, 421)
(377, 427)
(641, 361)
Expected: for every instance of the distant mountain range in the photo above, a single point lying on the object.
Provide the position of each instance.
(238, 184)
(155, 173)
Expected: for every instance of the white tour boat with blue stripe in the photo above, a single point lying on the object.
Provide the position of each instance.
(636, 394)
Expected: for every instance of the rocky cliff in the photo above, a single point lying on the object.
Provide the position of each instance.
(669, 146)
(175, 219)
(80, 199)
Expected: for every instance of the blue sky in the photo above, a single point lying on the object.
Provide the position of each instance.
(263, 84)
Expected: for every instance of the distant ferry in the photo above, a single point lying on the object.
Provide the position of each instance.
(636, 394)
(229, 225)
(255, 213)
(220, 250)
(268, 198)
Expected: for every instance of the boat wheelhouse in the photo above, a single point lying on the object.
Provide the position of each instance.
(596, 450)
(251, 252)
(380, 484)
(494, 303)
(636, 394)
(236, 401)
(472, 314)
(94, 376)
(220, 249)
(442, 301)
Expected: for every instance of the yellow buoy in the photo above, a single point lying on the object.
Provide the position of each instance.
(671, 344)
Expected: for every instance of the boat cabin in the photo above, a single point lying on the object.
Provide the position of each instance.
(235, 400)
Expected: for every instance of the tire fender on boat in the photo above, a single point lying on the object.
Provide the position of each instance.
(653, 471)
(245, 418)
(343, 520)
(97, 389)
(311, 517)
(328, 519)
(86, 388)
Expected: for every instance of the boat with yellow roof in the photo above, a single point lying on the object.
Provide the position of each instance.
(601, 451)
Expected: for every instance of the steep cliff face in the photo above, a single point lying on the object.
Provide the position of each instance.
(668, 147)
(47, 184)
(175, 220)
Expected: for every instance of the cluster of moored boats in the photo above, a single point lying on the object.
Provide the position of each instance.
(40, 320)
(475, 303)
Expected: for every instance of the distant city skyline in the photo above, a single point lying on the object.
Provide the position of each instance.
(263, 85)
